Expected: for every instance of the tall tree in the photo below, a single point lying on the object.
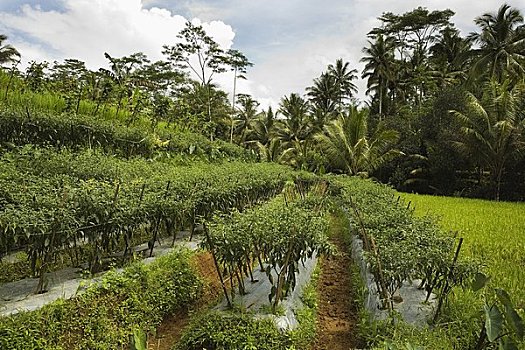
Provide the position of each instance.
(200, 54)
(263, 127)
(492, 129)
(414, 31)
(296, 124)
(344, 77)
(238, 64)
(350, 149)
(501, 51)
(36, 76)
(246, 115)
(7, 52)
(324, 94)
(379, 68)
(70, 78)
(122, 73)
(450, 57)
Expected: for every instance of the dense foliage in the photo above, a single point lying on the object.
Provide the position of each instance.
(51, 201)
(107, 314)
(399, 246)
(279, 234)
(418, 68)
(84, 131)
(218, 330)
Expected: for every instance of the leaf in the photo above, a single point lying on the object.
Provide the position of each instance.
(504, 297)
(139, 340)
(515, 322)
(479, 282)
(493, 322)
(507, 343)
(512, 317)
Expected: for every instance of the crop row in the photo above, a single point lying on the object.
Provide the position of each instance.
(278, 235)
(399, 246)
(62, 209)
(81, 131)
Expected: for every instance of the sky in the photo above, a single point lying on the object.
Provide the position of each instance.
(290, 42)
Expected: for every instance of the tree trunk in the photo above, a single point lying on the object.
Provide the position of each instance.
(498, 183)
(212, 132)
(233, 104)
(380, 102)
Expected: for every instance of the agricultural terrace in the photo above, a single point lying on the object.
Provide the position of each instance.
(144, 205)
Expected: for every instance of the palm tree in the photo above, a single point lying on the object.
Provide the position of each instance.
(502, 44)
(449, 58)
(270, 152)
(379, 67)
(349, 148)
(325, 94)
(246, 115)
(7, 52)
(343, 76)
(492, 129)
(296, 124)
(263, 127)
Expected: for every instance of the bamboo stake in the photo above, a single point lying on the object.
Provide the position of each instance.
(445, 287)
(212, 251)
(369, 240)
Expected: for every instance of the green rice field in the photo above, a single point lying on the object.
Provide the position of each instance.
(493, 232)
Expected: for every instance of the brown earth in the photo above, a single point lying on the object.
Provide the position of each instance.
(337, 313)
(172, 327)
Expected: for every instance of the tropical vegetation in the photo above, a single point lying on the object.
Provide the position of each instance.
(94, 163)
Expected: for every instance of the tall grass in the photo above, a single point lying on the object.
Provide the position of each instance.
(15, 94)
(494, 232)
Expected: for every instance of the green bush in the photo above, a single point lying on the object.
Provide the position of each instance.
(106, 315)
(79, 131)
(226, 331)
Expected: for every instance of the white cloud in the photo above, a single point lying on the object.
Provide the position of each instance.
(85, 29)
(291, 66)
(290, 41)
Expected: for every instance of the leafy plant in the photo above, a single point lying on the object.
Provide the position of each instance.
(502, 324)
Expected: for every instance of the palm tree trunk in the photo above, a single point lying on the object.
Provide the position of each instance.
(498, 183)
(380, 102)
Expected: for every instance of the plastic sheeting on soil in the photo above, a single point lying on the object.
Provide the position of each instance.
(256, 297)
(412, 308)
(66, 283)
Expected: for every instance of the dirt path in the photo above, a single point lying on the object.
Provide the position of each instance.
(337, 314)
(171, 329)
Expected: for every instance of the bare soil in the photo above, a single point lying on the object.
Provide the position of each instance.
(337, 313)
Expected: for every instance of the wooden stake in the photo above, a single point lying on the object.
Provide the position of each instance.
(212, 251)
(445, 287)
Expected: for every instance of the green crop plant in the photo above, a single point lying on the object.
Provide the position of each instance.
(494, 233)
(108, 315)
(54, 201)
(399, 246)
(279, 235)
